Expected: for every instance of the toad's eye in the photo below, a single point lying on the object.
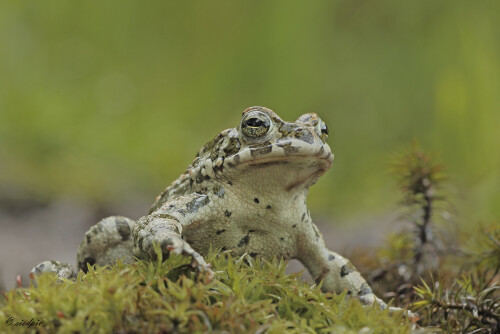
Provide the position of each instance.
(255, 124)
(322, 130)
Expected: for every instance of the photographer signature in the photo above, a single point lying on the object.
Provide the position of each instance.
(23, 323)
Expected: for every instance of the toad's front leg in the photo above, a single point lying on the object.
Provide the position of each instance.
(335, 271)
(164, 227)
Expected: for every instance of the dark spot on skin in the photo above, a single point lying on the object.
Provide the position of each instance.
(228, 213)
(251, 231)
(320, 152)
(268, 207)
(88, 238)
(233, 146)
(206, 177)
(331, 257)
(349, 292)
(230, 164)
(195, 204)
(220, 231)
(303, 216)
(236, 159)
(40, 268)
(123, 228)
(212, 147)
(364, 289)
(304, 135)
(265, 144)
(294, 225)
(282, 239)
(288, 148)
(244, 241)
(345, 270)
(199, 177)
(141, 240)
(328, 155)
(230, 183)
(261, 150)
(287, 128)
(219, 192)
(219, 168)
(256, 200)
(316, 232)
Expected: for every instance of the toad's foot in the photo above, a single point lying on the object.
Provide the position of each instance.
(336, 273)
(62, 270)
(106, 242)
(369, 299)
(165, 232)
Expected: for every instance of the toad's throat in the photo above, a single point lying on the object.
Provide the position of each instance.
(279, 176)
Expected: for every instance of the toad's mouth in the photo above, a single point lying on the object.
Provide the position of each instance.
(285, 164)
(281, 153)
(281, 172)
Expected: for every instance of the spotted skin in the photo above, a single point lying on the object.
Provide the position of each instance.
(61, 270)
(245, 191)
(108, 240)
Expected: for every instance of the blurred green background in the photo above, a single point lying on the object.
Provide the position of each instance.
(103, 100)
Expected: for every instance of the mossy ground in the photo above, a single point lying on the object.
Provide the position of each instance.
(451, 280)
(246, 296)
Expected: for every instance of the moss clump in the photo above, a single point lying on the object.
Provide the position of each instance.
(247, 295)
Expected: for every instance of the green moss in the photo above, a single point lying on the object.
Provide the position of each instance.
(247, 295)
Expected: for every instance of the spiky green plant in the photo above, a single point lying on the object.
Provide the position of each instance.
(471, 303)
(419, 249)
(484, 250)
(421, 179)
(454, 288)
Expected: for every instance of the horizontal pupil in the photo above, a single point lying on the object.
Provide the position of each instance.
(254, 122)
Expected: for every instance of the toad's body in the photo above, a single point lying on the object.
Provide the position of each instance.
(245, 192)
